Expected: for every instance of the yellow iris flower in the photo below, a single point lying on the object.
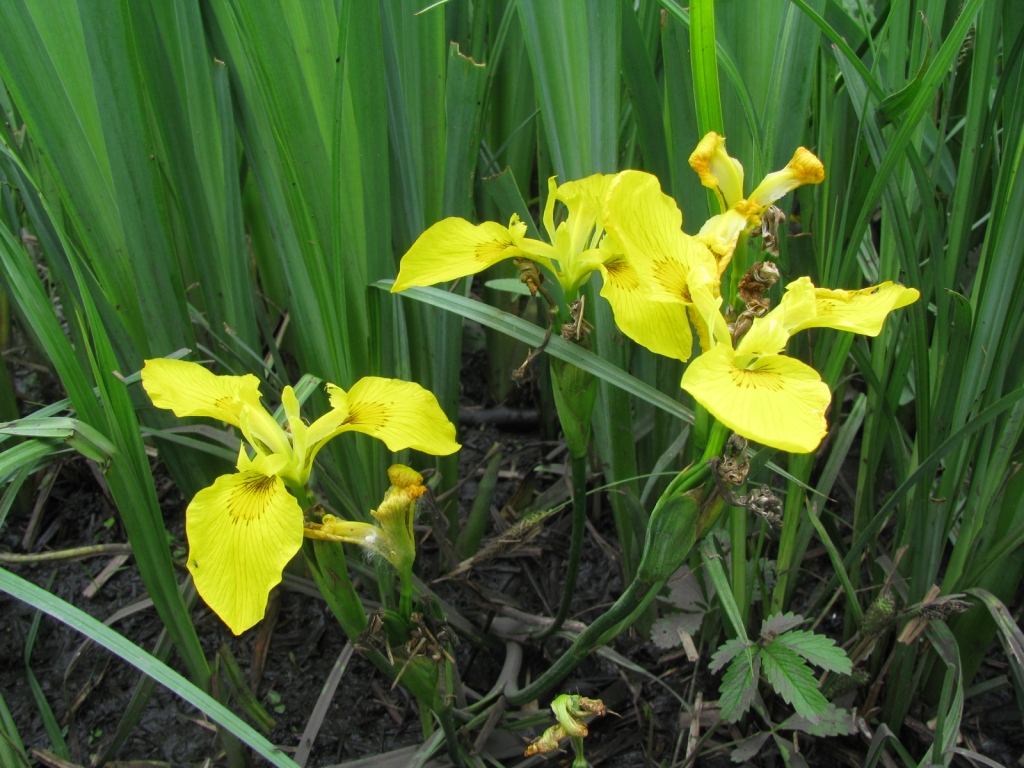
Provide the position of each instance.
(455, 248)
(244, 528)
(766, 396)
(752, 388)
(724, 174)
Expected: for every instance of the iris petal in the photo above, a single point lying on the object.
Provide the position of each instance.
(658, 325)
(401, 413)
(862, 311)
(189, 389)
(242, 531)
(646, 224)
(454, 248)
(776, 401)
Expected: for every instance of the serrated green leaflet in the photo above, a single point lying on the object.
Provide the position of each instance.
(791, 678)
(821, 651)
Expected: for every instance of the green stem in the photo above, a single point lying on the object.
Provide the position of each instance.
(405, 594)
(589, 639)
(579, 524)
(738, 534)
(451, 737)
(638, 595)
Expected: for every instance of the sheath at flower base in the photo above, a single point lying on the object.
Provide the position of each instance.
(244, 528)
(724, 174)
(767, 396)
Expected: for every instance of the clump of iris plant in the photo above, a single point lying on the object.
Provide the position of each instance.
(248, 525)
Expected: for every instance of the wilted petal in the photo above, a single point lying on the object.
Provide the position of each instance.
(803, 168)
(454, 248)
(189, 389)
(776, 401)
(717, 170)
(242, 531)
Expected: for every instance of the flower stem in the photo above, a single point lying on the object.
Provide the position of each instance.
(587, 641)
(579, 523)
(405, 594)
(684, 522)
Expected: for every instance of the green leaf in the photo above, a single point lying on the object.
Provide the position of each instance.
(739, 685)
(509, 285)
(713, 562)
(895, 104)
(82, 622)
(793, 680)
(727, 652)
(533, 335)
(821, 651)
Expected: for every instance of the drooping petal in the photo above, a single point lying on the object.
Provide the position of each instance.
(646, 225)
(454, 248)
(242, 531)
(350, 532)
(777, 401)
(401, 413)
(803, 168)
(862, 311)
(658, 325)
(705, 290)
(189, 389)
(717, 170)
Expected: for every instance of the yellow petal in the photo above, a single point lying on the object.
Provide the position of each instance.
(862, 311)
(573, 239)
(189, 389)
(705, 290)
(765, 337)
(646, 225)
(778, 401)
(658, 325)
(798, 305)
(804, 168)
(717, 169)
(455, 248)
(401, 413)
(721, 233)
(242, 531)
(583, 200)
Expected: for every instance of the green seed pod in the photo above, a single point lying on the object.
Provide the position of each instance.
(671, 534)
(575, 391)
